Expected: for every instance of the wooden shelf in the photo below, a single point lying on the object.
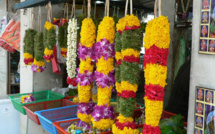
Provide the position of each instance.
(15, 84)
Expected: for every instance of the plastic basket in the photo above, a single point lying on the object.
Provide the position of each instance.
(31, 108)
(62, 126)
(47, 117)
(39, 96)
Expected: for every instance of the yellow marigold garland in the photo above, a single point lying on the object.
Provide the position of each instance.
(84, 117)
(130, 52)
(156, 37)
(125, 85)
(103, 124)
(88, 32)
(105, 68)
(156, 74)
(106, 29)
(123, 119)
(126, 130)
(88, 36)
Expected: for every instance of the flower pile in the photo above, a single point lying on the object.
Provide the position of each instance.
(39, 64)
(29, 46)
(71, 54)
(62, 38)
(27, 98)
(127, 56)
(157, 40)
(49, 39)
(103, 115)
(85, 71)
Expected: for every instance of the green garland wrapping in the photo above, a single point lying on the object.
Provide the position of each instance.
(29, 46)
(62, 39)
(49, 43)
(39, 64)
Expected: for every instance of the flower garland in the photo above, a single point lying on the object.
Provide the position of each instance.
(103, 115)
(131, 39)
(39, 64)
(49, 39)
(71, 54)
(157, 39)
(85, 71)
(29, 46)
(27, 98)
(62, 39)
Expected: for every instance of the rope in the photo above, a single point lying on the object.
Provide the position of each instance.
(155, 8)
(73, 9)
(84, 7)
(159, 7)
(107, 8)
(131, 7)
(66, 11)
(39, 19)
(49, 15)
(89, 8)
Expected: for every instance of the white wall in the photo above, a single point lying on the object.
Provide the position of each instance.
(3, 55)
(202, 66)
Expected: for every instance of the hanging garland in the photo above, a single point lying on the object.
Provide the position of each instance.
(49, 37)
(127, 56)
(49, 40)
(29, 46)
(157, 40)
(71, 54)
(39, 64)
(85, 71)
(103, 115)
(62, 39)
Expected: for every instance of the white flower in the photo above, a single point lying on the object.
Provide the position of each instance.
(72, 48)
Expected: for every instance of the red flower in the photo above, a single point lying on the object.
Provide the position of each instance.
(156, 55)
(154, 92)
(147, 129)
(28, 60)
(119, 62)
(128, 94)
(131, 28)
(47, 57)
(126, 124)
(71, 81)
(62, 52)
(131, 59)
(120, 31)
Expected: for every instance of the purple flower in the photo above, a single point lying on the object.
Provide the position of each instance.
(103, 48)
(86, 108)
(103, 112)
(104, 80)
(84, 79)
(84, 52)
(35, 67)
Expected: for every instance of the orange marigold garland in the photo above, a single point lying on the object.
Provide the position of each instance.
(131, 39)
(85, 71)
(103, 115)
(157, 39)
